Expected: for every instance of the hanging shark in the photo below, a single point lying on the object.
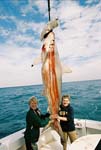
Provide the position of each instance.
(51, 72)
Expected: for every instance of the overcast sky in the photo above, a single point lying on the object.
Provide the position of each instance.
(78, 39)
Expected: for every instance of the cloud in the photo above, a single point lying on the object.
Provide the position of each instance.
(81, 32)
(15, 66)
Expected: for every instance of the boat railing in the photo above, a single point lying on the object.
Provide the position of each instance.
(16, 141)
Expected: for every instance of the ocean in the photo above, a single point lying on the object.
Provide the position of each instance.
(85, 99)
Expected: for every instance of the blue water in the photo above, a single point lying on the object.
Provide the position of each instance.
(85, 98)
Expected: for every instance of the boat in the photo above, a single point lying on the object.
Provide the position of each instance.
(84, 128)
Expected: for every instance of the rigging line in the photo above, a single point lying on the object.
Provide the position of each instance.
(49, 9)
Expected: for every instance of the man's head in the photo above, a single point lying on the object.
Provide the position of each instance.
(65, 100)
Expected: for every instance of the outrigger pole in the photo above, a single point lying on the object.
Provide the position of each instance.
(49, 9)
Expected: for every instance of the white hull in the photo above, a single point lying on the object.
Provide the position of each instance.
(16, 141)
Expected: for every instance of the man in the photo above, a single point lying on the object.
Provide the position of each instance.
(66, 117)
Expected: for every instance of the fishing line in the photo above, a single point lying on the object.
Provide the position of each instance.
(49, 10)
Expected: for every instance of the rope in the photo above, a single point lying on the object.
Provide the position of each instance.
(49, 9)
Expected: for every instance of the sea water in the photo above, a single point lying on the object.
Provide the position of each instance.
(85, 99)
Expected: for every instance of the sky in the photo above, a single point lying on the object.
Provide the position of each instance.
(78, 39)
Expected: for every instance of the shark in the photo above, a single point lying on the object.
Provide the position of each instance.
(51, 71)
